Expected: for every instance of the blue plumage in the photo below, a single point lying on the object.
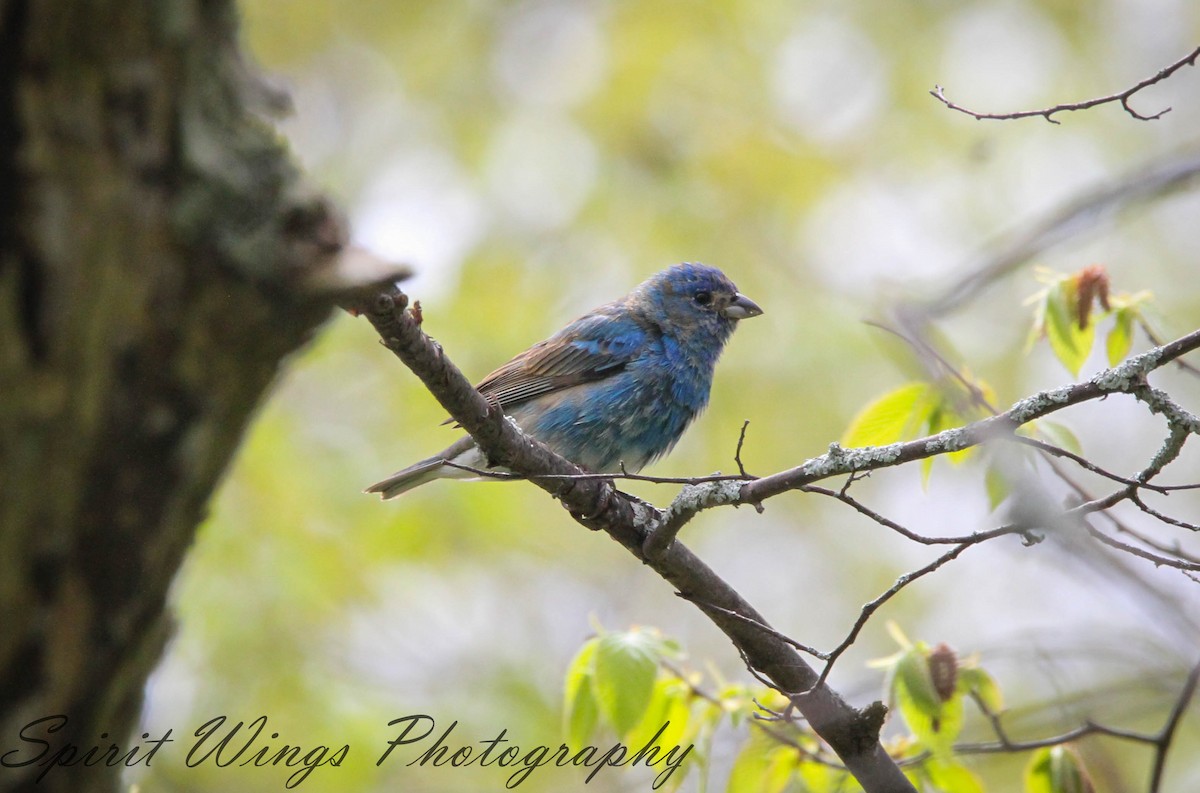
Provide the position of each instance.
(618, 386)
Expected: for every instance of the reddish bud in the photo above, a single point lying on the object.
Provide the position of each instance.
(943, 670)
(1091, 283)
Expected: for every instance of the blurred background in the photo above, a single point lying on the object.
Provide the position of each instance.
(534, 159)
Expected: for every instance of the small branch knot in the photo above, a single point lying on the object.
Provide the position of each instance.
(384, 303)
(873, 717)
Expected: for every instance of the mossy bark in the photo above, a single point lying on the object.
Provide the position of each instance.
(154, 244)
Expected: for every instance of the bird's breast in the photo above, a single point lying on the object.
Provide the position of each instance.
(628, 419)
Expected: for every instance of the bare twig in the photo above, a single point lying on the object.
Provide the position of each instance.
(870, 608)
(1154, 513)
(737, 453)
(1006, 744)
(1047, 113)
(492, 473)
(1161, 740)
(757, 625)
(764, 725)
(1167, 452)
(937, 365)
(1157, 559)
(1082, 462)
(1167, 734)
(846, 498)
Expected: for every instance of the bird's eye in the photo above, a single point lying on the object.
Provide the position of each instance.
(703, 298)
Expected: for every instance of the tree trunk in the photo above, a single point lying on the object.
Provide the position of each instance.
(155, 244)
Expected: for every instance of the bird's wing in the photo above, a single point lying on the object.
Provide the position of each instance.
(593, 347)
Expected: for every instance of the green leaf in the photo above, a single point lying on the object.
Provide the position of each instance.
(945, 417)
(972, 679)
(945, 730)
(762, 766)
(926, 470)
(1070, 343)
(913, 681)
(669, 706)
(952, 777)
(998, 487)
(934, 723)
(1038, 329)
(1120, 338)
(669, 647)
(897, 633)
(890, 418)
(625, 666)
(1060, 435)
(580, 712)
(820, 778)
(1057, 769)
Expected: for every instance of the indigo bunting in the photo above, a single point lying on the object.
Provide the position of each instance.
(616, 387)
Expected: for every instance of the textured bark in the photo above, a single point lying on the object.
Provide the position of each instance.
(154, 243)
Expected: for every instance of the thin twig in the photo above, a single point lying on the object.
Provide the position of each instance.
(927, 353)
(1167, 735)
(492, 473)
(761, 724)
(870, 608)
(1154, 513)
(1047, 113)
(1156, 559)
(1161, 740)
(888, 523)
(767, 629)
(1082, 462)
(1147, 181)
(737, 453)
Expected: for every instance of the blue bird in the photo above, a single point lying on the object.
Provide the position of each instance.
(616, 387)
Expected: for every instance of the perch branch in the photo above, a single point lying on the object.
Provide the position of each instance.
(852, 734)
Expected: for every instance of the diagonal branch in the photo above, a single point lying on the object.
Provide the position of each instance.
(1148, 181)
(853, 734)
(649, 533)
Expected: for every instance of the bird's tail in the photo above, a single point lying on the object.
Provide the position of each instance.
(403, 481)
(461, 452)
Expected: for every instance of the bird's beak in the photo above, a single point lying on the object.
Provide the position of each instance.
(741, 307)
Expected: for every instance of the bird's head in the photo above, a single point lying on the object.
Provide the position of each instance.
(694, 296)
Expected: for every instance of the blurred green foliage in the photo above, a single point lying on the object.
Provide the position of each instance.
(534, 159)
